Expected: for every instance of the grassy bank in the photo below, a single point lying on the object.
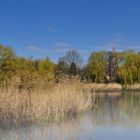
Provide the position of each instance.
(51, 103)
(110, 87)
(34, 101)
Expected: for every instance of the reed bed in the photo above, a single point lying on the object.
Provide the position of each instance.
(49, 104)
(103, 87)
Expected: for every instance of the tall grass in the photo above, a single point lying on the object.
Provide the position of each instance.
(53, 102)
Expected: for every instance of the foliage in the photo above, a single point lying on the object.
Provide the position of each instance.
(96, 66)
(46, 69)
(69, 64)
(73, 69)
(7, 56)
(125, 65)
(61, 68)
(129, 72)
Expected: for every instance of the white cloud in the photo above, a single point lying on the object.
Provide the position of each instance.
(120, 44)
(35, 49)
(65, 47)
(62, 47)
(52, 29)
(62, 44)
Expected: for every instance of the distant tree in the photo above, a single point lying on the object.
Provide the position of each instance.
(73, 60)
(46, 69)
(25, 64)
(73, 57)
(73, 69)
(7, 66)
(36, 65)
(6, 52)
(112, 66)
(6, 57)
(61, 68)
(96, 66)
(85, 73)
(129, 71)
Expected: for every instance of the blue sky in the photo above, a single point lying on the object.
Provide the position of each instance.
(42, 28)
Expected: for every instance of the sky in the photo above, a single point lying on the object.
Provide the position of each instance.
(50, 28)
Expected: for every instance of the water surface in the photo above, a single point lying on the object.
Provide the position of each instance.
(116, 116)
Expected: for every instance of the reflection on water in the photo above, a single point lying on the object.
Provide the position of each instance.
(121, 109)
(116, 116)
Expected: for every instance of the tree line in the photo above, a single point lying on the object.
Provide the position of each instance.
(102, 66)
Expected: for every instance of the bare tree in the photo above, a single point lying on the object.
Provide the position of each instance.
(72, 62)
(73, 57)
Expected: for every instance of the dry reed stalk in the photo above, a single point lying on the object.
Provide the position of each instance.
(43, 104)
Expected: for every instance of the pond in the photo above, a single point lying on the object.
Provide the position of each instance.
(115, 116)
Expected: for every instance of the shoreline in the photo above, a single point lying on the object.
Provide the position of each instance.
(53, 102)
(110, 87)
